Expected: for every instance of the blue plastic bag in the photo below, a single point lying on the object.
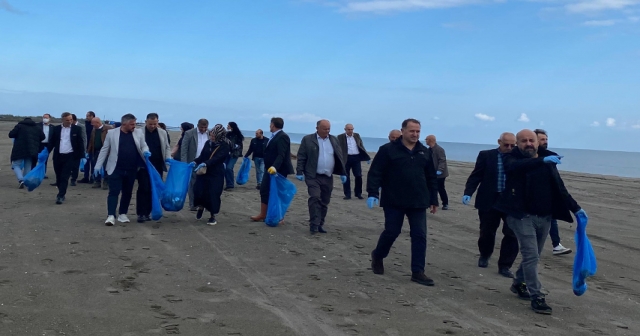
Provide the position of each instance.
(584, 263)
(171, 194)
(243, 173)
(83, 162)
(281, 194)
(33, 179)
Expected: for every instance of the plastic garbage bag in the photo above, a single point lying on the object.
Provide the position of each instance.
(243, 173)
(584, 263)
(83, 162)
(281, 194)
(170, 194)
(33, 179)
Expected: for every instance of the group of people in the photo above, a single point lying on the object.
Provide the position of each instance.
(517, 183)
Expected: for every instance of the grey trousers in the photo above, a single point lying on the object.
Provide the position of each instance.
(320, 189)
(531, 231)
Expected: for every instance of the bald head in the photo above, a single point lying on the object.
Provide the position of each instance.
(96, 122)
(527, 143)
(348, 129)
(323, 127)
(394, 134)
(507, 142)
(431, 140)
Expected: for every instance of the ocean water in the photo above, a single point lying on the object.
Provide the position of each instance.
(625, 164)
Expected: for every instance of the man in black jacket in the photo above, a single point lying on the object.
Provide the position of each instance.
(277, 156)
(534, 195)
(354, 152)
(27, 137)
(256, 147)
(68, 148)
(404, 170)
(489, 174)
(88, 128)
(47, 129)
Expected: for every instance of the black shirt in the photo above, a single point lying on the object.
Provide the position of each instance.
(127, 152)
(539, 194)
(153, 142)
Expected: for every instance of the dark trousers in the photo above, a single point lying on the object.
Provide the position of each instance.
(144, 192)
(442, 191)
(120, 181)
(93, 159)
(76, 170)
(320, 189)
(35, 159)
(63, 166)
(489, 224)
(353, 163)
(393, 220)
(554, 233)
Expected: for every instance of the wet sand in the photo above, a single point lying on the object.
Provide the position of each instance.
(62, 272)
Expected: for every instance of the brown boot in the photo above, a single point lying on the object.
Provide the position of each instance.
(262, 215)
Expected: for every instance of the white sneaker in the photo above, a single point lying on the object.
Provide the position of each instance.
(111, 220)
(559, 250)
(122, 218)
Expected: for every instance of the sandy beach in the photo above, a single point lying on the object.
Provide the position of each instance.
(62, 272)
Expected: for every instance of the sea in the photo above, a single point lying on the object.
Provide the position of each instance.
(614, 163)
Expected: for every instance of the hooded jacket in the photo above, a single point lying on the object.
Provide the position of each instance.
(27, 137)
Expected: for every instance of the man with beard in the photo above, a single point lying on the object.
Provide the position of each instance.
(534, 195)
(558, 249)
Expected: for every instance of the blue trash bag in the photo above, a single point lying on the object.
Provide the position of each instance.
(584, 263)
(83, 162)
(281, 194)
(171, 194)
(243, 173)
(33, 179)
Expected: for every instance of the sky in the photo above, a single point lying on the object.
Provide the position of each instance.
(467, 69)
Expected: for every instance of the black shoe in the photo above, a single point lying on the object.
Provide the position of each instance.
(141, 219)
(59, 200)
(193, 208)
(54, 184)
(521, 290)
(212, 221)
(321, 229)
(421, 278)
(228, 188)
(313, 230)
(483, 262)
(445, 207)
(258, 186)
(505, 272)
(346, 198)
(147, 218)
(73, 183)
(539, 305)
(46, 177)
(199, 213)
(360, 197)
(84, 181)
(377, 266)
(20, 185)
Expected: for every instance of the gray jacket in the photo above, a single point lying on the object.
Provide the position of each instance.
(309, 151)
(189, 147)
(439, 160)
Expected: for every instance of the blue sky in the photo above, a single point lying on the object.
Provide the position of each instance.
(468, 69)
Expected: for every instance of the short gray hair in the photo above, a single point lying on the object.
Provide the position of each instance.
(127, 117)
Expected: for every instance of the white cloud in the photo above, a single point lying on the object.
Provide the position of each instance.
(436, 118)
(611, 122)
(299, 117)
(587, 6)
(595, 124)
(599, 23)
(383, 6)
(485, 117)
(523, 118)
(636, 126)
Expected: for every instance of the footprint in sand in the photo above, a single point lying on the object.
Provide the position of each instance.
(172, 299)
(4, 282)
(314, 277)
(71, 272)
(44, 262)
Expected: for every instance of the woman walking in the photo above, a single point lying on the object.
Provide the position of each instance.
(235, 138)
(208, 186)
(175, 153)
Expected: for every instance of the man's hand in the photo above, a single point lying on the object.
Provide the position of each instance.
(343, 179)
(147, 154)
(581, 216)
(433, 209)
(272, 170)
(200, 166)
(300, 177)
(368, 161)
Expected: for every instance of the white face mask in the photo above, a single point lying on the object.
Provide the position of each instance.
(45, 120)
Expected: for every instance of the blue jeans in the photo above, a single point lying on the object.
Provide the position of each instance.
(228, 173)
(18, 170)
(393, 220)
(554, 234)
(259, 163)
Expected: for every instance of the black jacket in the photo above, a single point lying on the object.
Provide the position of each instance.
(485, 174)
(215, 162)
(235, 152)
(41, 127)
(408, 178)
(522, 176)
(277, 154)
(256, 147)
(27, 137)
(76, 141)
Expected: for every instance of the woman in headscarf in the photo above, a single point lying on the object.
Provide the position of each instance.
(207, 188)
(236, 139)
(175, 152)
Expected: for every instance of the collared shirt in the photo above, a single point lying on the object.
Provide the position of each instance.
(203, 138)
(326, 160)
(273, 135)
(45, 130)
(502, 177)
(352, 147)
(65, 141)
